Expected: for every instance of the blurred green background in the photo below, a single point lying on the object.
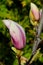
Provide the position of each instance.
(18, 11)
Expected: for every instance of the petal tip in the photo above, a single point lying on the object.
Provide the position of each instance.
(6, 22)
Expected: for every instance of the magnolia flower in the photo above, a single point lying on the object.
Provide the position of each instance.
(35, 14)
(17, 33)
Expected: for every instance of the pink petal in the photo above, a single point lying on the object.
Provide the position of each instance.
(35, 11)
(20, 29)
(17, 39)
(23, 33)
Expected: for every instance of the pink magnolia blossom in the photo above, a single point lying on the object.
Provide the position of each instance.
(35, 11)
(17, 33)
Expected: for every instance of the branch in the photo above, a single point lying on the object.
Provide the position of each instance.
(37, 38)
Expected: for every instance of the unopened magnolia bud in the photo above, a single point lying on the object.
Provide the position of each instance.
(17, 33)
(35, 11)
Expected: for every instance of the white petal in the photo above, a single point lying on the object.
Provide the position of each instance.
(7, 23)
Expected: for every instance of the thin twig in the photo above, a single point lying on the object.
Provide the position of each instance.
(19, 61)
(36, 55)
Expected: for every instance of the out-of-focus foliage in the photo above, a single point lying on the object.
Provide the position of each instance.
(17, 10)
